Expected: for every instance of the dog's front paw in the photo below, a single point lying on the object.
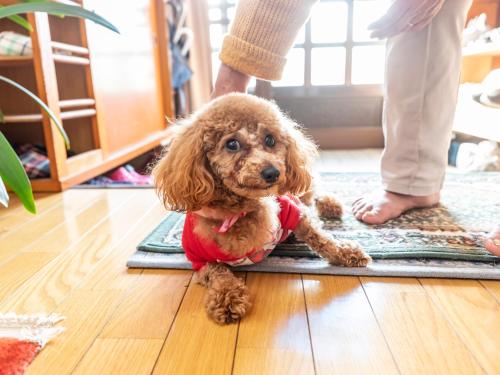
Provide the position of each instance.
(227, 302)
(351, 255)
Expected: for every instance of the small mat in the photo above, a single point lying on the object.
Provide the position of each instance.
(22, 337)
(444, 241)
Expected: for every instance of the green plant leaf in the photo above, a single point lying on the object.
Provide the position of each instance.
(14, 175)
(4, 196)
(56, 9)
(21, 21)
(41, 104)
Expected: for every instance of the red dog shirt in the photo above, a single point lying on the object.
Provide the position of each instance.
(202, 251)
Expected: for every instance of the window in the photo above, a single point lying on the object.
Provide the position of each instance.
(333, 49)
(220, 15)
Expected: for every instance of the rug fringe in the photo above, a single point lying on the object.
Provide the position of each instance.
(38, 327)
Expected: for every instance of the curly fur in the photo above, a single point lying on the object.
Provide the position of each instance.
(200, 173)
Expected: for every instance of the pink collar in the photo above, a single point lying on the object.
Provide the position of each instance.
(226, 224)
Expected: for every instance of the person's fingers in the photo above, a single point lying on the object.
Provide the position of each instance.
(422, 19)
(391, 30)
(393, 21)
(397, 10)
(413, 16)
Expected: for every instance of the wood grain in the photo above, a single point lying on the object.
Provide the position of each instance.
(274, 337)
(12, 242)
(195, 344)
(77, 224)
(86, 313)
(472, 312)
(117, 318)
(16, 271)
(148, 310)
(111, 272)
(45, 290)
(344, 332)
(419, 337)
(119, 356)
(16, 215)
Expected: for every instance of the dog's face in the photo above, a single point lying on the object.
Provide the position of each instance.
(241, 142)
(250, 160)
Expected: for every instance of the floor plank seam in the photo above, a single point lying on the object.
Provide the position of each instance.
(396, 364)
(125, 294)
(489, 291)
(122, 298)
(308, 324)
(124, 236)
(237, 335)
(172, 323)
(454, 329)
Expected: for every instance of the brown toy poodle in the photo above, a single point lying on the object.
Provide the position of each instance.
(237, 167)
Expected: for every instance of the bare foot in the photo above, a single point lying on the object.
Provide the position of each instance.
(492, 243)
(381, 207)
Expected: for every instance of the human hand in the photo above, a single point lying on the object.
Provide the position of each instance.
(230, 80)
(405, 15)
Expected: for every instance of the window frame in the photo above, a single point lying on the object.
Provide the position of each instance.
(348, 89)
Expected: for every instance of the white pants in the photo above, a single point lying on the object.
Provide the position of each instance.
(422, 77)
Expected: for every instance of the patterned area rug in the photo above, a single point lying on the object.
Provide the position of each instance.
(445, 241)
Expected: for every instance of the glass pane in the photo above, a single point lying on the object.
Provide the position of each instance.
(293, 75)
(368, 65)
(366, 12)
(214, 14)
(230, 13)
(216, 36)
(328, 66)
(329, 22)
(301, 36)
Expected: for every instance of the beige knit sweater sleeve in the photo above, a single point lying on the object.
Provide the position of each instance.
(261, 34)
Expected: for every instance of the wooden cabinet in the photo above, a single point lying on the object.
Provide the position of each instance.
(112, 92)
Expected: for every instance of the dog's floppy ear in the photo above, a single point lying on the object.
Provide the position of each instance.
(300, 154)
(182, 177)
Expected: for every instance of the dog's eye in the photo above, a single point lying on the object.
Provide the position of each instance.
(233, 145)
(269, 140)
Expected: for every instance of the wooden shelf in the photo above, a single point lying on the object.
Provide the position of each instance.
(69, 59)
(70, 48)
(34, 117)
(37, 117)
(111, 111)
(78, 114)
(15, 60)
(74, 103)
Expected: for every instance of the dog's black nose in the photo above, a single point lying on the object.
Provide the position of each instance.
(270, 174)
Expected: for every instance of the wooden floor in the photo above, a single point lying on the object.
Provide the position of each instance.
(70, 259)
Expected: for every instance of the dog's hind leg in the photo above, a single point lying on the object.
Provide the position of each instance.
(227, 298)
(341, 253)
